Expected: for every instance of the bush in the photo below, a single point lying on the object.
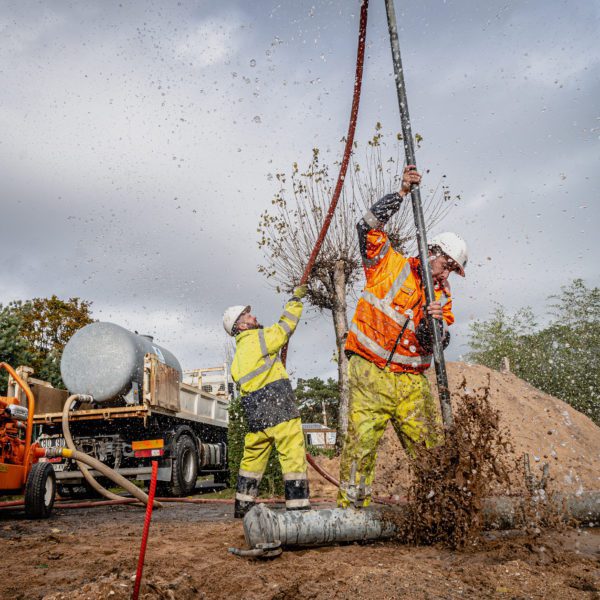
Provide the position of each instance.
(561, 359)
(318, 451)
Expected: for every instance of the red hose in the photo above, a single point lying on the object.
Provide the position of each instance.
(12, 503)
(321, 471)
(326, 475)
(99, 503)
(360, 57)
(149, 507)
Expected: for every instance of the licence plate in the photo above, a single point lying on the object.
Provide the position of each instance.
(58, 464)
(52, 442)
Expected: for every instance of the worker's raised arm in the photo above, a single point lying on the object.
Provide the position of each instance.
(372, 240)
(277, 335)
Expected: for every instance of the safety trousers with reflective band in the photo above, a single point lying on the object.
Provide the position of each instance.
(376, 396)
(288, 440)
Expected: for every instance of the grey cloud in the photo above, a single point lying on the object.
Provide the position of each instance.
(134, 170)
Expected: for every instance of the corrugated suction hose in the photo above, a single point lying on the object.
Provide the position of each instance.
(84, 460)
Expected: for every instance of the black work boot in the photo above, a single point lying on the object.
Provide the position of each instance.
(296, 494)
(241, 508)
(247, 490)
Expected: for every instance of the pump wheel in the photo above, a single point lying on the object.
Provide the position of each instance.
(40, 490)
(185, 469)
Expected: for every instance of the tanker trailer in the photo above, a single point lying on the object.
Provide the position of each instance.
(139, 409)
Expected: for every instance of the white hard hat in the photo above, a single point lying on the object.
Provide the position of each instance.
(453, 246)
(231, 315)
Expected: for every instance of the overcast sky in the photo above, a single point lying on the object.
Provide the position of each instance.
(138, 142)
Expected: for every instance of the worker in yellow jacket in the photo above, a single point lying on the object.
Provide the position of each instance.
(390, 343)
(269, 404)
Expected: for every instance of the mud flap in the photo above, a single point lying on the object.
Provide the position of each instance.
(165, 469)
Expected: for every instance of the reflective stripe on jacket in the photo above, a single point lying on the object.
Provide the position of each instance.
(392, 303)
(267, 395)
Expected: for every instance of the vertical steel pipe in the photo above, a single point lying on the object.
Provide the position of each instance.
(438, 352)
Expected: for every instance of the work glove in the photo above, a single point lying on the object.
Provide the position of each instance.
(300, 291)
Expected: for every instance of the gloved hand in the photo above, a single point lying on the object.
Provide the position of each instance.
(300, 291)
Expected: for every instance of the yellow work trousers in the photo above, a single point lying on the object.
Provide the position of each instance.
(376, 396)
(288, 440)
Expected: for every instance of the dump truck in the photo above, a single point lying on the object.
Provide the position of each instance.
(132, 404)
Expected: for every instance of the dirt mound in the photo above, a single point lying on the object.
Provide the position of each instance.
(548, 429)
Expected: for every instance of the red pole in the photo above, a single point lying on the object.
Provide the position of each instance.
(140, 567)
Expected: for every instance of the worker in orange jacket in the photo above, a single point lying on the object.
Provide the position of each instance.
(390, 343)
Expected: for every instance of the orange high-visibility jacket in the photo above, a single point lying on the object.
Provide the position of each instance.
(392, 303)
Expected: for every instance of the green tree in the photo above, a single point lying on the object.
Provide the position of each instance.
(41, 328)
(562, 359)
(13, 346)
(318, 401)
(501, 336)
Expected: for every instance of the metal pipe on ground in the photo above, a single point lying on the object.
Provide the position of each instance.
(265, 528)
(504, 512)
(314, 527)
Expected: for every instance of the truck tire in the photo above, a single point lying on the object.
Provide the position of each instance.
(184, 471)
(40, 491)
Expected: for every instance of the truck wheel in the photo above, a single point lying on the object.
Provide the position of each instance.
(185, 469)
(40, 490)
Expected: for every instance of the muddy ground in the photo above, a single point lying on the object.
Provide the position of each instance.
(92, 554)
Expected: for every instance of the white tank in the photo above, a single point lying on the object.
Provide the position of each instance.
(106, 361)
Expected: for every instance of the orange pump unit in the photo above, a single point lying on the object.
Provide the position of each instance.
(20, 471)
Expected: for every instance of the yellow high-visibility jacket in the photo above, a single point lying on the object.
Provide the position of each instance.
(267, 395)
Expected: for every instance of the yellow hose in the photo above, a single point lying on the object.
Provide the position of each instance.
(84, 459)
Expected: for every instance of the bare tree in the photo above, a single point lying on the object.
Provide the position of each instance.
(289, 230)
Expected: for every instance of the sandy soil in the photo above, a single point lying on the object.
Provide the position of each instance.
(92, 554)
(539, 424)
